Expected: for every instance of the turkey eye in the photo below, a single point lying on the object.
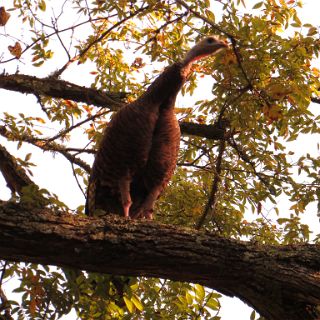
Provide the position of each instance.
(210, 40)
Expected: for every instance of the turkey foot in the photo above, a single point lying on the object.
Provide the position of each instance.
(146, 210)
(148, 215)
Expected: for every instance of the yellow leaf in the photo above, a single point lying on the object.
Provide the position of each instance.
(316, 72)
(189, 298)
(122, 3)
(136, 301)
(129, 304)
(40, 120)
(278, 91)
(200, 291)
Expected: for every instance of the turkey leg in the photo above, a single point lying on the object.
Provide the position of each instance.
(124, 186)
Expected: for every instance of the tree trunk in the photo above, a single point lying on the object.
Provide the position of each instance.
(280, 282)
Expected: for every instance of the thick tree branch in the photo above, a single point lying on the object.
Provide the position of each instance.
(214, 132)
(66, 90)
(13, 173)
(279, 282)
(58, 89)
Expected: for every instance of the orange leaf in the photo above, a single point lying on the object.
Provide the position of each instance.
(4, 16)
(32, 307)
(316, 72)
(273, 113)
(16, 50)
(69, 103)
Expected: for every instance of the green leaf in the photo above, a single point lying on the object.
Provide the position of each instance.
(258, 5)
(213, 304)
(312, 31)
(200, 291)
(210, 15)
(42, 5)
(28, 157)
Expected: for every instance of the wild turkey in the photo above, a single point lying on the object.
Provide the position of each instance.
(138, 152)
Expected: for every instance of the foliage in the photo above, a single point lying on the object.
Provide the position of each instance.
(259, 91)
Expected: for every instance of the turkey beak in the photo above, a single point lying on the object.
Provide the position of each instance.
(223, 44)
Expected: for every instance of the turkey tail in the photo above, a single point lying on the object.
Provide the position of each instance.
(91, 196)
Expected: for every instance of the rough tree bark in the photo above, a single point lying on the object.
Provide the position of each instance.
(280, 282)
(56, 88)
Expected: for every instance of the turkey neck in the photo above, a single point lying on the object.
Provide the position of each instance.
(162, 93)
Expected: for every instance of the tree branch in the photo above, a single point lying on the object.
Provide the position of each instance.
(279, 282)
(214, 131)
(211, 205)
(45, 146)
(97, 40)
(59, 89)
(205, 19)
(66, 90)
(5, 305)
(13, 173)
(242, 154)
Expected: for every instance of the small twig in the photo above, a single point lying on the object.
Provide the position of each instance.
(3, 272)
(77, 181)
(211, 204)
(64, 132)
(5, 305)
(94, 42)
(200, 16)
(53, 147)
(239, 60)
(80, 150)
(55, 27)
(183, 164)
(246, 159)
(315, 100)
(50, 35)
(230, 102)
(161, 28)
